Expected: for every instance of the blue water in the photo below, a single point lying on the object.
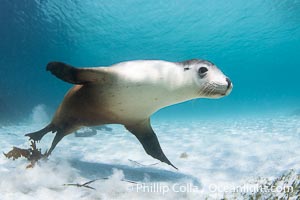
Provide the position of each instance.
(254, 133)
(256, 43)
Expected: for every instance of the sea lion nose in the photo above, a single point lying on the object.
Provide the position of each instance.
(228, 82)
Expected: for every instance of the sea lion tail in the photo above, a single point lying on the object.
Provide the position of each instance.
(38, 135)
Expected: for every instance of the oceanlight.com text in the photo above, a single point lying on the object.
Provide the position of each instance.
(212, 188)
(249, 188)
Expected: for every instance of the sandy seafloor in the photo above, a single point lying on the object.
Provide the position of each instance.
(220, 154)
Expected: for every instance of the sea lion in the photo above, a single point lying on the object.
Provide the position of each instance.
(128, 93)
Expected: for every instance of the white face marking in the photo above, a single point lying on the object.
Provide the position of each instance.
(211, 81)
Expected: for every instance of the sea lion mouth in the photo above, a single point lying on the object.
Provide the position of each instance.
(214, 90)
(227, 92)
(229, 89)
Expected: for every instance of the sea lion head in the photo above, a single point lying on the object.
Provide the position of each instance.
(209, 79)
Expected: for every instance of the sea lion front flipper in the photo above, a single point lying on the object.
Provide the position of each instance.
(145, 134)
(75, 75)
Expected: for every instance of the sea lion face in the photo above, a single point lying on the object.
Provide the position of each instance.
(211, 82)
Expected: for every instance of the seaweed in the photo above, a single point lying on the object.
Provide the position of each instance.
(86, 184)
(32, 154)
(139, 164)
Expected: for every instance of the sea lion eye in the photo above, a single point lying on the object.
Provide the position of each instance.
(202, 71)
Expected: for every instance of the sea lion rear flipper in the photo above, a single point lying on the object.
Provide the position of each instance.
(74, 75)
(144, 133)
(37, 136)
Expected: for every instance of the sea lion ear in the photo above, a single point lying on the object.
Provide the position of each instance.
(74, 75)
(144, 133)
